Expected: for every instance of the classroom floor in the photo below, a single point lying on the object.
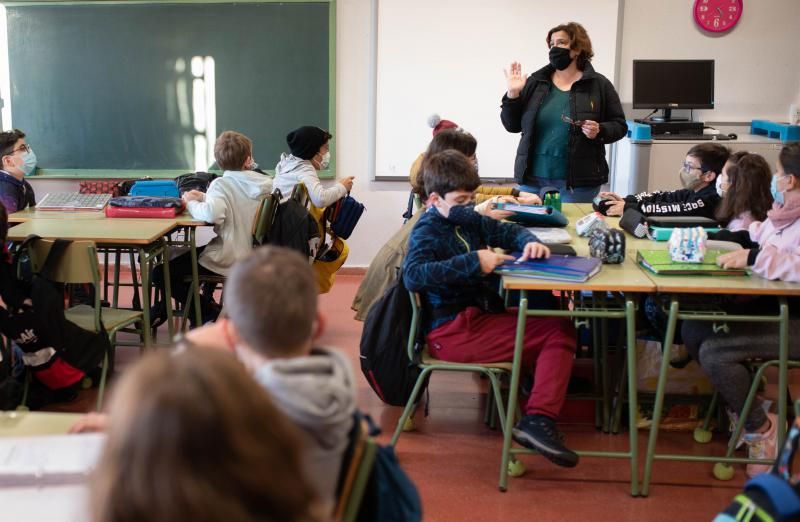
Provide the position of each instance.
(454, 458)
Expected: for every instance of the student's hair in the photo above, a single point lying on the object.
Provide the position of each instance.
(449, 139)
(712, 156)
(232, 149)
(448, 171)
(193, 437)
(749, 178)
(271, 297)
(578, 41)
(790, 159)
(8, 139)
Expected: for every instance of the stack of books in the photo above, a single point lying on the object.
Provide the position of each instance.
(556, 268)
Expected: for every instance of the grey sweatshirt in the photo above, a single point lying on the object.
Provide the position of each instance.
(317, 392)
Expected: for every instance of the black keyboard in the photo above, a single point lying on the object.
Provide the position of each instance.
(684, 137)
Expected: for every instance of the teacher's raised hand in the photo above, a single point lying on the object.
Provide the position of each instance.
(516, 80)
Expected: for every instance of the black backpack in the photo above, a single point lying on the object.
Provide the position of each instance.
(384, 340)
(194, 181)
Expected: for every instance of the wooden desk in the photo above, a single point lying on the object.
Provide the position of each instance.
(146, 236)
(718, 285)
(184, 220)
(26, 423)
(624, 278)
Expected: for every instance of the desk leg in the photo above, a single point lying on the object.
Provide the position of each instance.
(783, 368)
(662, 381)
(167, 288)
(195, 277)
(522, 317)
(145, 263)
(630, 332)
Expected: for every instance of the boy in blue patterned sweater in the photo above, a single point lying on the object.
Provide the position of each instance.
(449, 263)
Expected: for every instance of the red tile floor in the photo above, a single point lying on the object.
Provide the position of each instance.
(454, 458)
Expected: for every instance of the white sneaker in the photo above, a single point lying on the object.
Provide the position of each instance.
(762, 446)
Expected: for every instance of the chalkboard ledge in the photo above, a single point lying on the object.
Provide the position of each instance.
(130, 174)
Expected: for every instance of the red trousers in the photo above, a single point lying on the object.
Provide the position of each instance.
(477, 337)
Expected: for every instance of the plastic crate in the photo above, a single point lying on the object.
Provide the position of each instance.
(778, 131)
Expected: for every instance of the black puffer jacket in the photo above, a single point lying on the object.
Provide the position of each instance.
(592, 98)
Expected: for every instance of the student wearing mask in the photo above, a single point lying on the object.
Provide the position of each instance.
(723, 354)
(309, 153)
(19, 160)
(744, 186)
(698, 197)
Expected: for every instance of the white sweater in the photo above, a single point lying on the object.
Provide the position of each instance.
(230, 204)
(292, 170)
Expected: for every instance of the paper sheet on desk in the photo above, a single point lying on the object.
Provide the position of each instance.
(48, 460)
(45, 504)
(551, 235)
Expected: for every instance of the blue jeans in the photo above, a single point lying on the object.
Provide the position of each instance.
(576, 195)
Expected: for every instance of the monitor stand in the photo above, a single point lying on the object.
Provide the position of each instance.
(669, 125)
(666, 117)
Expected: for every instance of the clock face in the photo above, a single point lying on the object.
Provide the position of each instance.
(717, 16)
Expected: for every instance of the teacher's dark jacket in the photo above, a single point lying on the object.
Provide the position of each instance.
(592, 97)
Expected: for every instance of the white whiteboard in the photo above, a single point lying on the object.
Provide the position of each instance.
(447, 57)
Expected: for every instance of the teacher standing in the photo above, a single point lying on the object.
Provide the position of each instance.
(566, 113)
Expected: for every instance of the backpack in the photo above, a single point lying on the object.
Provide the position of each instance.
(343, 216)
(389, 495)
(384, 340)
(57, 351)
(194, 181)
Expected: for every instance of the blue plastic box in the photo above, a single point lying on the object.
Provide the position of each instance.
(771, 129)
(638, 131)
(156, 187)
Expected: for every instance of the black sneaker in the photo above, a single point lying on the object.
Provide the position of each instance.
(538, 432)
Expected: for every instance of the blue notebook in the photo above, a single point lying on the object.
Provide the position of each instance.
(556, 268)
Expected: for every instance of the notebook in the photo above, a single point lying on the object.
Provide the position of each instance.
(534, 215)
(73, 201)
(660, 263)
(556, 268)
(550, 235)
(48, 460)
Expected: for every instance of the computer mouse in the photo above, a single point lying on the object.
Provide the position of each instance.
(732, 136)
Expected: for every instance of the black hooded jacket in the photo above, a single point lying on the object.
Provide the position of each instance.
(592, 97)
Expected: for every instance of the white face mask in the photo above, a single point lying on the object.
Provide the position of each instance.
(720, 190)
(325, 161)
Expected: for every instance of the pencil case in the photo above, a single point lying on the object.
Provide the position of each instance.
(142, 212)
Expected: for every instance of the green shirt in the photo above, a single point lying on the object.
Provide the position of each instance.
(550, 158)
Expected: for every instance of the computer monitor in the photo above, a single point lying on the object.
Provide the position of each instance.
(673, 84)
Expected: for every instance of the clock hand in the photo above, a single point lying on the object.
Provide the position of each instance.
(720, 11)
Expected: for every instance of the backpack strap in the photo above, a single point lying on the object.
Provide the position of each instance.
(783, 496)
(54, 257)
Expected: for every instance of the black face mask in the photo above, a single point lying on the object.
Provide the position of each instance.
(559, 58)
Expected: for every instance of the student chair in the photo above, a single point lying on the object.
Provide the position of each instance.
(724, 471)
(360, 457)
(260, 229)
(79, 265)
(428, 364)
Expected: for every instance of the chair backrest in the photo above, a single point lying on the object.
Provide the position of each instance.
(78, 265)
(300, 194)
(416, 306)
(265, 217)
(356, 475)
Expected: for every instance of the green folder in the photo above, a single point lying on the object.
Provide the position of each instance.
(660, 263)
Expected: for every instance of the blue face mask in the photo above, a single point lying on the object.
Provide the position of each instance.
(28, 162)
(776, 195)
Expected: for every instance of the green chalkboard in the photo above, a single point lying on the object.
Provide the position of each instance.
(147, 86)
